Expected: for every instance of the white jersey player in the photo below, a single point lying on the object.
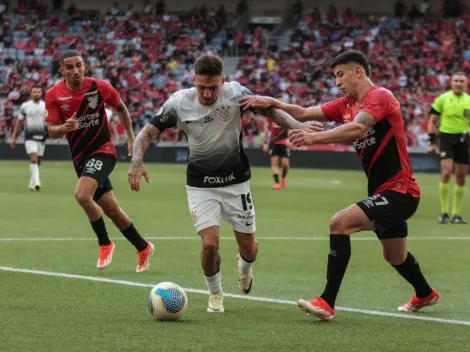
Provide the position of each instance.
(218, 171)
(33, 112)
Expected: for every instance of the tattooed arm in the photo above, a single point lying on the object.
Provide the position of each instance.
(281, 118)
(137, 170)
(344, 133)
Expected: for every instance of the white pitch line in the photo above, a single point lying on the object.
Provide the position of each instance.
(196, 237)
(250, 298)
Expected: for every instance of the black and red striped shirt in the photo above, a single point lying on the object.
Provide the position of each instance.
(382, 149)
(93, 133)
(277, 135)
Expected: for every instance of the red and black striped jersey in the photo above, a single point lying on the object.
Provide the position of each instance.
(382, 149)
(277, 135)
(93, 133)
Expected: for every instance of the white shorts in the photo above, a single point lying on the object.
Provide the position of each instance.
(35, 147)
(234, 203)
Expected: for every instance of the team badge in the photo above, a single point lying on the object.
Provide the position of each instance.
(224, 113)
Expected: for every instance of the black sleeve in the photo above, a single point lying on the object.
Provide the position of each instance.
(435, 112)
(167, 117)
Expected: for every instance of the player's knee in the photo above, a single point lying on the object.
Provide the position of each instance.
(446, 175)
(249, 248)
(395, 258)
(210, 248)
(338, 224)
(82, 198)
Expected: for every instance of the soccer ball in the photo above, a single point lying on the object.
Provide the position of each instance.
(167, 301)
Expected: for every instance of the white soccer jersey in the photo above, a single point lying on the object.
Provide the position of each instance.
(214, 133)
(35, 115)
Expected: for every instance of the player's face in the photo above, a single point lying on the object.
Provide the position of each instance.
(347, 78)
(208, 88)
(73, 70)
(459, 84)
(36, 93)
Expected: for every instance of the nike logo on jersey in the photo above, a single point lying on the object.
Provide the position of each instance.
(249, 223)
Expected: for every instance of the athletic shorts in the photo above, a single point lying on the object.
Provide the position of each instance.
(455, 147)
(34, 147)
(280, 150)
(234, 203)
(98, 167)
(390, 210)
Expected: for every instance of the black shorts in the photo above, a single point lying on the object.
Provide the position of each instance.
(280, 150)
(455, 147)
(98, 167)
(390, 210)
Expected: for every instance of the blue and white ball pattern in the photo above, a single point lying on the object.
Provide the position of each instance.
(167, 301)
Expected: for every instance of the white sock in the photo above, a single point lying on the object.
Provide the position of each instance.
(35, 174)
(244, 266)
(214, 283)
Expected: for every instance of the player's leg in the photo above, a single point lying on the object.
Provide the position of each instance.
(239, 210)
(342, 225)
(41, 147)
(461, 159)
(106, 199)
(285, 163)
(32, 151)
(447, 164)
(275, 169)
(205, 209)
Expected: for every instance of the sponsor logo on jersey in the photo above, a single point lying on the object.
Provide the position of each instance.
(347, 118)
(88, 120)
(212, 180)
(64, 98)
(365, 140)
(65, 107)
(224, 113)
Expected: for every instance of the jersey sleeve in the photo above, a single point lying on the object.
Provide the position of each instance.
(22, 114)
(52, 112)
(380, 103)
(438, 104)
(167, 116)
(110, 95)
(332, 110)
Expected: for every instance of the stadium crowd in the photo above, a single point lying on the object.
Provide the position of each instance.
(147, 56)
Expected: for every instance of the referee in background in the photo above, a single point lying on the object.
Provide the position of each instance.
(451, 110)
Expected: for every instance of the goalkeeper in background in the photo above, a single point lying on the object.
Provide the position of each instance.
(451, 110)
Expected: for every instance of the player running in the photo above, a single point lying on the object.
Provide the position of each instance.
(75, 107)
(372, 120)
(218, 171)
(452, 110)
(33, 112)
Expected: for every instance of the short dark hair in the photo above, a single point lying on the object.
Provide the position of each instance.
(209, 65)
(69, 53)
(38, 86)
(352, 56)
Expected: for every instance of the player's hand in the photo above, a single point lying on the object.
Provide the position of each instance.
(71, 124)
(301, 137)
(265, 147)
(13, 142)
(314, 126)
(432, 149)
(130, 146)
(135, 174)
(256, 101)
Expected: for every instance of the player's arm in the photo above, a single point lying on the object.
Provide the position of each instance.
(345, 133)
(299, 113)
(16, 129)
(125, 119)
(434, 118)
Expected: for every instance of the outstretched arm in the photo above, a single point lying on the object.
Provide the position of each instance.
(280, 118)
(137, 169)
(344, 133)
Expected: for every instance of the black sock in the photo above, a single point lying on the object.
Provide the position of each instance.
(135, 238)
(284, 172)
(276, 178)
(411, 271)
(100, 229)
(338, 259)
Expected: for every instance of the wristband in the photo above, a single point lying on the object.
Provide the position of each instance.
(431, 138)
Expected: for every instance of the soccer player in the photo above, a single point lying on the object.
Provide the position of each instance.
(218, 171)
(34, 114)
(452, 110)
(372, 120)
(75, 107)
(277, 145)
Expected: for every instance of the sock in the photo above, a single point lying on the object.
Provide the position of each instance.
(411, 272)
(284, 173)
(135, 238)
(100, 229)
(338, 259)
(276, 178)
(35, 174)
(458, 199)
(214, 283)
(244, 265)
(444, 193)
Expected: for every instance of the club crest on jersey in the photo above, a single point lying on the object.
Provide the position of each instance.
(93, 101)
(224, 113)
